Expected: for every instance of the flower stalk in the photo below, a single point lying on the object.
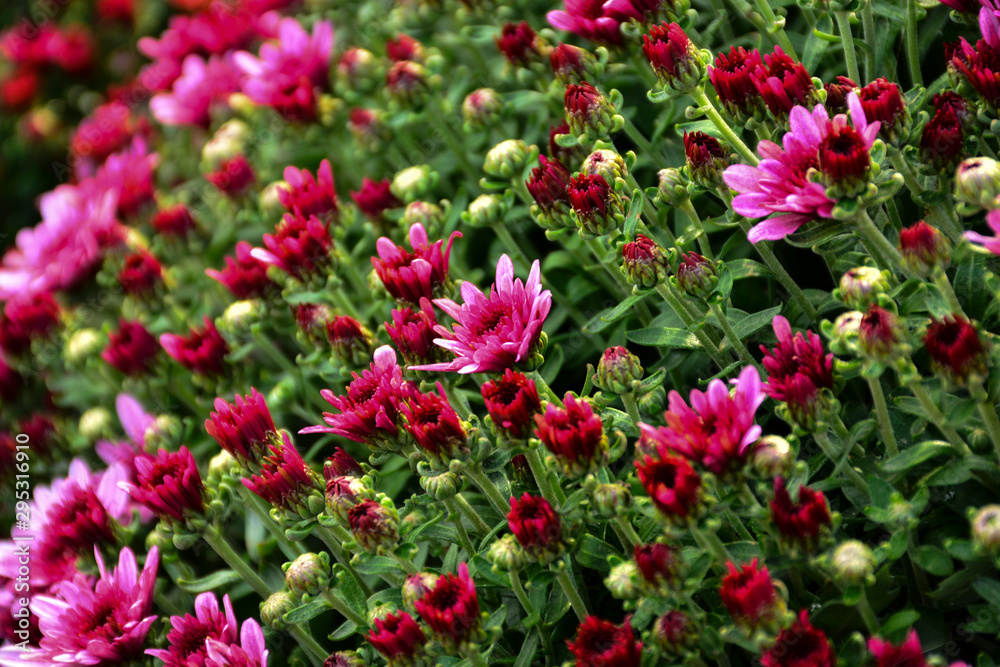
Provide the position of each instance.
(882, 414)
(706, 107)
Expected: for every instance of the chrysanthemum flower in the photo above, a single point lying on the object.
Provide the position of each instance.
(801, 645)
(658, 563)
(512, 402)
(836, 94)
(955, 347)
(299, 246)
(535, 525)
(397, 637)
(245, 276)
(201, 85)
(451, 607)
(732, 77)
(671, 483)
(251, 651)
(140, 274)
(783, 83)
(375, 197)
(188, 634)
(243, 428)
(308, 195)
(203, 350)
(909, 653)
(574, 435)
(495, 332)
(800, 521)
(434, 425)
(169, 484)
(749, 595)
(173, 220)
(990, 243)
(412, 332)
(130, 172)
(518, 43)
(778, 184)
(411, 276)
(600, 643)
(27, 318)
(232, 176)
(108, 129)
(717, 429)
(285, 480)
(794, 361)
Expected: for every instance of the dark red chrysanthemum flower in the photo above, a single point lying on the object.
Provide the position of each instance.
(600, 643)
(131, 349)
(924, 247)
(951, 101)
(311, 320)
(980, 65)
(245, 276)
(675, 631)
(844, 157)
(672, 56)
(173, 220)
(186, 640)
(803, 521)
(299, 246)
(942, 141)
(535, 525)
(350, 340)
(341, 464)
(518, 43)
(512, 402)
(658, 563)
(169, 484)
(706, 158)
(397, 637)
(882, 101)
(451, 607)
(233, 176)
(284, 479)
(671, 483)
(403, 47)
(836, 94)
(732, 77)
(574, 435)
(548, 185)
(140, 274)
(797, 369)
(11, 382)
(411, 276)
(592, 200)
(749, 594)
(783, 83)
(955, 348)
(203, 350)
(27, 318)
(801, 645)
(585, 107)
(908, 654)
(568, 63)
(434, 424)
(412, 332)
(375, 197)
(243, 428)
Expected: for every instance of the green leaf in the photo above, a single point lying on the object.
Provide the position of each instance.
(748, 268)
(634, 211)
(528, 649)
(899, 622)
(814, 233)
(211, 582)
(933, 559)
(916, 455)
(754, 322)
(353, 594)
(989, 590)
(961, 549)
(957, 472)
(593, 553)
(664, 337)
(306, 611)
(378, 565)
(609, 316)
(343, 632)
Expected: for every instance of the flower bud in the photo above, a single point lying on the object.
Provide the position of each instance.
(571, 64)
(861, 286)
(596, 206)
(519, 43)
(507, 159)
(986, 530)
(221, 466)
(672, 188)
(675, 632)
(588, 112)
(413, 183)
(645, 262)
(375, 527)
(506, 554)
(311, 319)
(482, 108)
(81, 345)
(309, 574)
(548, 185)
(772, 457)
(416, 586)
(343, 493)
(924, 248)
(883, 101)
(238, 317)
(227, 143)
(652, 401)
(351, 341)
(441, 487)
(955, 348)
(270, 201)
(164, 433)
(574, 435)
(623, 581)
(512, 402)
(750, 596)
(853, 564)
(537, 527)
(341, 464)
(345, 659)
(844, 332)
(607, 164)
(977, 182)
(428, 215)
(881, 335)
(357, 68)
(611, 500)
(706, 159)
(95, 423)
(486, 210)
(697, 276)
(673, 57)
(406, 82)
(274, 608)
(659, 565)
(617, 370)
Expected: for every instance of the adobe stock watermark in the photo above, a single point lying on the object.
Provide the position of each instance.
(22, 540)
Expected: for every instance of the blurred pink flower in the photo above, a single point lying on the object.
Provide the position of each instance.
(188, 634)
(130, 173)
(308, 195)
(991, 243)
(200, 86)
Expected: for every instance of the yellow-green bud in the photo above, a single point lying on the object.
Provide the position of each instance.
(221, 466)
(96, 423)
(227, 142)
(441, 487)
(415, 587)
(82, 345)
(238, 317)
(772, 457)
(482, 107)
(607, 164)
(164, 433)
(986, 530)
(623, 581)
(611, 500)
(507, 159)
(270, 204)
(617, 370)
(672, 189)
(308, 574)
(414, 182)
(853, 564)
(977, 182)
(486, 210)
(273, 609)
(506, 554)
(861, 286)
(425, 213)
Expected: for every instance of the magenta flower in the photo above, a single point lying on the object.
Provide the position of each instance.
(243, 428)
(990, 243)
(284, 479)
(130, 173)
(251, 651)
(108, 129)
(78, 224)
(169, 484)
(203, 350)
(589, 19)
(370, 409)
(188, 634)
(245, 277)
(778, 184)
(498, 331)
(308, 195)
(717, 429)
(94, 624)
(411, 276)
(299, 246)
(200, 86)
(287, 72)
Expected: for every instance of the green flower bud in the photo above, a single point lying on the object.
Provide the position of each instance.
(413, 183)
(482, 107)
(986, 530)
(588, 111)
(227, 142)
(424, 213)
(358, 69)
(415, 587)
(843, 333)
(675, 633)
(238, 317)
(441, 487)
(82, 345)
(672, 189)
(697, 276)
(617, 370)
(882, 335)
(157, 538)
(164, 433)
(611, 500)
(308, 574)
(644, 262)
(977, 182)
(861, 287)
(506, 554)
(273, 609)
(486, 210)
(222, 466)
(853, 564)
(270, 204)
(96, 423)
(283, 392)
(607, 164)
(507, 159)
(652, 401)
(343, 493)
(623, 581)
(772, 457)
(345, 659)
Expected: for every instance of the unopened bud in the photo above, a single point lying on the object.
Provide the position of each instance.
(482, 107)
(924, 248)
(309, 574)
(697, 276)
(986, 530)
(623, 581)
(273, 609)
(345, 659)
(607, 164)
(441, 487)
(413, 183)
(428, 215)
(227, 143)
(617, 370)
(882, 335)
(675, 632)
(977, 182)
(853, 564)
(772, 457)
(861, 287)
(611, 500)
(417, 586)
(486, 210)
(672, 189)
(95, 424)
(506, 554)
(83, 344)
(507, 159)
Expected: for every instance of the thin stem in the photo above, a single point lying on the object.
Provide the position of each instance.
(638, 138)
(478, 477)
(867, 614)
(600, 254)
(340, 606)
(944, 286)
(871, 232)
(737, 525)
(703, 245)
(988, 411)
(220, 545)
(710, 348)
(772, 27)
(882, 413)
(456, 518)
(631, 407)
(912, 45)
(711, 543)
(763, 248)
(937, 417)
(734, 340)
(406, 565)
(900, 164)
(316, 653)
(705, 106)
(291, 549)
(847, 42)
(832, 453)
(529, 609)
(923, 586)
(541, 384)
(868, 23)
(573, 595)
(541, 474)
(630, 538)
(469, 513)
(333, 539)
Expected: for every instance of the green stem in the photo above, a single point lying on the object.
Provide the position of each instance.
(834, 455)
(847, 42)
(291, 549)
(868, 23)
(875, 236)
(638, 138)
(541, 384)
(406, 565)
(771, 26)
(475, 473)
(469, 513)
(220, 545)
(333, 538)
(900, 164)
(937, 417)
(600, 254)
(276, 355)
(572, 594)
(763, 249)
(631, 407)
(703, 244)
(541, 474)
(631, 538)
(344, 303)
(923, 586)
(912, 45)
(340, 605)
(316, 653)
(882, 413)
(734, 340)
(867, 614)
(456, 518)
(476, 658)
(711, 543)
(708, 346)
(529, 609)
(455, 144)
(944, 286)
(988, 411)
(705, 106)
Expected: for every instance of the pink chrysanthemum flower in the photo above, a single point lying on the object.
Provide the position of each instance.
(78, 224)
(108, 129)
(243, 428)
(299, 246)
(287, 72)
(94, 624)
(251, 650)
(200, 86)
(370, 409)
(130, 172)
(718, 428)
(588, 19)
(410, 276)
(990, 243)
(495, 332)
(307, 195)
(779, 183)
(797, 370)
(285, 479)
(188, 634)
(203, 350)
(169, 484)
(245, 277)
